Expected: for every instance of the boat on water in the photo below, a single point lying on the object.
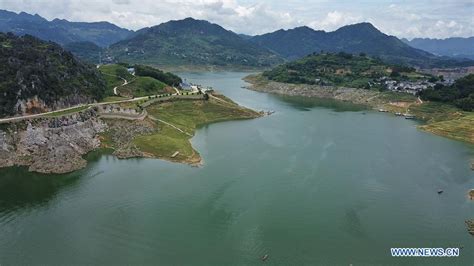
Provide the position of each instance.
(409, 116)
(398, 114)
(382, 110)
(264, 257)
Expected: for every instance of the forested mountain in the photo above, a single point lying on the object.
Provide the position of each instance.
(37, 76)
(358, 38)
(61, 31)
(87, 51)
(453, 47)
(192, 42)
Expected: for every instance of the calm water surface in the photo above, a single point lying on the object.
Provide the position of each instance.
(318, 182)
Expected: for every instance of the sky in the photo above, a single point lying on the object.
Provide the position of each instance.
(404, 19)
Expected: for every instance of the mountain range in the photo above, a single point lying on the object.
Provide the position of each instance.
(357, 38)
(191, 42)
(453, 47)
(62, 31)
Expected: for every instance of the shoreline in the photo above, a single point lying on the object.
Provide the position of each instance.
(59, 145)
(439, 119)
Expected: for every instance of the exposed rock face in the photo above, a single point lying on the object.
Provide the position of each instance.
(51, 145)
(358, 96)
(122, 133)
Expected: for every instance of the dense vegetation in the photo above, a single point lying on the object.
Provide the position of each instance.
(165, 77)
(147, 80)
(358, 38)
(87, 51)
(339, 69)
(191, 42)
(61, 31)
(461, 93)
(33, 68)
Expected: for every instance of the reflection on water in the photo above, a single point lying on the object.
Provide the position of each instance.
(22, 189)
(306, 103)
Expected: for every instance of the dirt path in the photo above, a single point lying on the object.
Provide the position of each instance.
(169, 124)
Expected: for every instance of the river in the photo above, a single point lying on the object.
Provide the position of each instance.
(317, 182)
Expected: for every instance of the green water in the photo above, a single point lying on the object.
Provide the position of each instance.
(317, 182)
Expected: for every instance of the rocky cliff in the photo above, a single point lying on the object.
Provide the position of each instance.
(51, 145)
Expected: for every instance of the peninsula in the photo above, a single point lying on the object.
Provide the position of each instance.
(56, 109)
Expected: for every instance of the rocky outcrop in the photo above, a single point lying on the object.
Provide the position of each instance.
(51, 145)
(470, 226)
(122, 133)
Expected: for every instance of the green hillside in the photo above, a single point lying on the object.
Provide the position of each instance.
(146, 81)
(194, 43)
(143, 86)
(37, 76)
(339, 69)
(87, 51)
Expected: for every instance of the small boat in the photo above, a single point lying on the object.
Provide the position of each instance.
(265, 257)
(440, 191)
(398, 114)
(409, 116)
(383, 110)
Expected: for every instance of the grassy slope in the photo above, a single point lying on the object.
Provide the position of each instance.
(458, 129)
(143, 86)
(112, 74)
(188, 116)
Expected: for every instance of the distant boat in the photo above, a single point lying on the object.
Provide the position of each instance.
(398, 114)
(382, 110)
(265, 257)
(440, 191)
(409, 116)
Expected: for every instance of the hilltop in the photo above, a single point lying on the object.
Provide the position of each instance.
(192, 42)
(38, 76)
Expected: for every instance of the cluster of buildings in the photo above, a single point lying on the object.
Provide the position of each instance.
(412, 87)
(193, 87)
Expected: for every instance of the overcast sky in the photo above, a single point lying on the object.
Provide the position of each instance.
(417, 18)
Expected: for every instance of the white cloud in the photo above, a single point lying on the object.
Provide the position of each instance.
(423, 18)
(334, 20)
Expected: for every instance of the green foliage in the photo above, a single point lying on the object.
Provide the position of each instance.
(461, 93)
(114, 75)
(31, 67)
(87, 51)
(167, 78)
(339, 69)
(192, 42)
(143, 86)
